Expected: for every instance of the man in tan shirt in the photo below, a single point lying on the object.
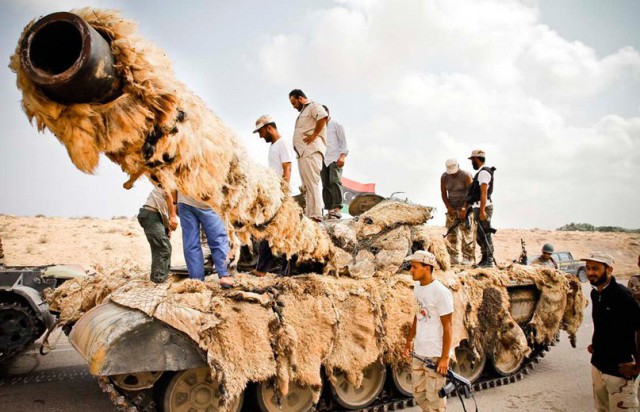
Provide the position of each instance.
(309, 142)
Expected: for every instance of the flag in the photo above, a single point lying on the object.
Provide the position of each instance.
(351, 188)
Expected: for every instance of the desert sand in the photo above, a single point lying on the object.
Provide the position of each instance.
(110, 243)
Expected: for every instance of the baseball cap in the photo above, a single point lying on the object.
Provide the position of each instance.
(262, 121)
(422, 256)
(452, 166)
(478, 153)
(601, 257)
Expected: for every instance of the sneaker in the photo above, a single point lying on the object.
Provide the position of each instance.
(226, 282)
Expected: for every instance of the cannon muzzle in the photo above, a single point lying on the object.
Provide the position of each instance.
(69, 60)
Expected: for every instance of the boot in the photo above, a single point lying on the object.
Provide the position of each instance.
(488, 262)
(482, 262)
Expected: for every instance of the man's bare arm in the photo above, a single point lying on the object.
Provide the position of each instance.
(412, 335)
(443, 363)
(445, 198)
(286, 171)
(173, 221)
(484, 188)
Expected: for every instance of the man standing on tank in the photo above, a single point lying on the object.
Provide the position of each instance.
(310, 144)
(615, 345)
(431, 332)
(479, 198)
(454, 186)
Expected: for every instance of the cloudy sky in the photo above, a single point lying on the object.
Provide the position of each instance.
(550, 89)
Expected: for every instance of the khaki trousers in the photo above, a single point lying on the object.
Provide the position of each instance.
(310, 167)
(426, 384)
(461, 238)
(612, 393)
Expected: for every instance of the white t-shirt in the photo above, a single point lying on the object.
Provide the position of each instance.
(434, 300)
(279, 152)
(484, 177)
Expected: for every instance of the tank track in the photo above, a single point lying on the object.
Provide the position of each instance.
(10, 352)
(142, 401)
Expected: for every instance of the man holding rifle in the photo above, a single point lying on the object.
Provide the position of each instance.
(432, 332)
(479, 199)
(454, 186)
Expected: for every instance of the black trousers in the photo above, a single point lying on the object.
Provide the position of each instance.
(331, 179)
(266, 258)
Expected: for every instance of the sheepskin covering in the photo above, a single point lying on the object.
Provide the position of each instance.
(159, 128)
(285, 329)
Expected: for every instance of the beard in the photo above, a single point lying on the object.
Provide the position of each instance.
(268, 139)
(602, 279)
(475, 165)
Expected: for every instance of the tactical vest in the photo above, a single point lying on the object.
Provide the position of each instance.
(474, 190)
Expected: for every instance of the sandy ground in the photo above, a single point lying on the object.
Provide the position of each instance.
(108, 243)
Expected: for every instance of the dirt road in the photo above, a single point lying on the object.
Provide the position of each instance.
(60, 382)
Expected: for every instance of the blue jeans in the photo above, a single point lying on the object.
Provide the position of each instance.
(191, 218)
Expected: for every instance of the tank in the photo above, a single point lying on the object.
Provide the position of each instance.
(24, 312)
(330, 338)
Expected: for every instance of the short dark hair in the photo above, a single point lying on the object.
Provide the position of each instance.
(273, 124)
(326, 108)
(297, 93)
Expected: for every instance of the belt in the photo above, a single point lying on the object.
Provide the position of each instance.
(149, 208)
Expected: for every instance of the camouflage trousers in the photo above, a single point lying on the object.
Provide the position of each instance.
(426, 384)
(612, 393)
(462, 240)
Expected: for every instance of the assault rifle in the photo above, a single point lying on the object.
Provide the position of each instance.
(460, 384)
(467, 223)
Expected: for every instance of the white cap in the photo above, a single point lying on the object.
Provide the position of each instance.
(262, 121)
(423, 256)
(452, 166)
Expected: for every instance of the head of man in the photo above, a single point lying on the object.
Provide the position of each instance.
(298, 99)
(599, 267)
(452, 167)
(547, 251)
(477, 159)
(267, 129)
(422, 265)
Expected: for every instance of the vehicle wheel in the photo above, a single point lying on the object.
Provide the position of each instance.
(504, 361)
(350, 397)
(467, 364)
(298, 399)
(582, 275)
(401, 376)
(194, 390)
(19, 328)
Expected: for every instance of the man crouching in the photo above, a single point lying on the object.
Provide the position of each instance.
(432, 332)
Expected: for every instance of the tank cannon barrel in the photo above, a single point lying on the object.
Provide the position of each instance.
(69, 60)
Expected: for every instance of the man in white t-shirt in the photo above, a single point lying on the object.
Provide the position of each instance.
(430, 333)
(280, 159)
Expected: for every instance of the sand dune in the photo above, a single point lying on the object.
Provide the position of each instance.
(109, 243)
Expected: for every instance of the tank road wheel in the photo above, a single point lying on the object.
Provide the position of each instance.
(298, 399)
(350, 397)
(136, 381)
(467, 364)
(19, 328)
(193, 390)
(505, 362)
(401, 376)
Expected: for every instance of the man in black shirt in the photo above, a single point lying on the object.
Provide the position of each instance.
(615, 346)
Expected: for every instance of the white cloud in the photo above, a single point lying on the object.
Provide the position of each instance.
(429, 80)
